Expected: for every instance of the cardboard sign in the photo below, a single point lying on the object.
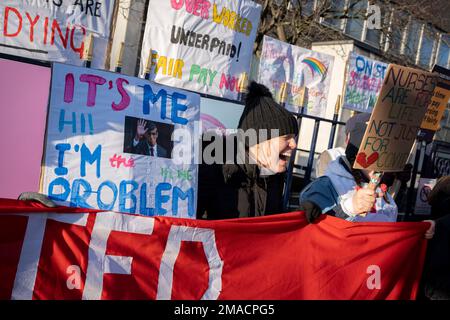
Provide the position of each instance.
(364, 80)
(307, 73)
(22, 125)
(396, 119)
(203, 46)
(55, 30)
(113, 143)
(425, 185)
(437, 106)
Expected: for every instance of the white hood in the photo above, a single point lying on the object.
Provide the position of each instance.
(344, 184)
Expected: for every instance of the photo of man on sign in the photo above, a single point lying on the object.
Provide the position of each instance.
(148, 138)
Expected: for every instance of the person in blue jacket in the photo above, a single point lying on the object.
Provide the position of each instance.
(341, 190)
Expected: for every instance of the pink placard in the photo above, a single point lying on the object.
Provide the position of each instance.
(24, 91)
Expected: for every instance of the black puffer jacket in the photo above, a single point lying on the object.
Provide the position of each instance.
(256, 195)
(237, 190)
(436, 275)
(439, 198)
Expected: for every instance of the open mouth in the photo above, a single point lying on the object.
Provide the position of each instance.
(285, 156)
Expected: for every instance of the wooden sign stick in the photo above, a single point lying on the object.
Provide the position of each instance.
(283, 94)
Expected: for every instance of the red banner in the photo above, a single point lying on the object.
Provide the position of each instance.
(68, 253)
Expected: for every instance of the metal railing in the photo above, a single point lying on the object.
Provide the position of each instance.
(312, 151)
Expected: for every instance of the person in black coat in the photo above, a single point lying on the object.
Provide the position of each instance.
(252, 184)
(439, 198)
(436, 275)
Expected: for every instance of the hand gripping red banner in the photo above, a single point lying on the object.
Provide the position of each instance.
(68, 253)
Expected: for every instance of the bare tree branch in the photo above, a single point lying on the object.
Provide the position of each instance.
(298, 23)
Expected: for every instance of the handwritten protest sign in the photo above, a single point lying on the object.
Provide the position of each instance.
(201, 45)
(437, 106)
(396, 119)
(55, 30)
(114, 143)
(364, 80)
(300, 68)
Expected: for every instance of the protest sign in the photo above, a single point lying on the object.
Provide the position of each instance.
(422, 206)
(114, 143)
(22, 125)
(69, 253)
(396, 119)
(212, 110)
(437, 106)
(55, 30)
(307, 74)
(203, 46)
(364, 80)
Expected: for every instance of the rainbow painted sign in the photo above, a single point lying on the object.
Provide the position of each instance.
(316, 66)
(307, 74)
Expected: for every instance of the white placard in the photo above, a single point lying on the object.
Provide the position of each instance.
(94, 156)
(55, 30)
(364, 80)
(425, 185)
(300, 68)
(202, 46)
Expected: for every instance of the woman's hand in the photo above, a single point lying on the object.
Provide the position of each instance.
(430, 232)
(363, 200)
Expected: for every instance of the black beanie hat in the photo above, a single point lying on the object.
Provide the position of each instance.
(262, 112)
